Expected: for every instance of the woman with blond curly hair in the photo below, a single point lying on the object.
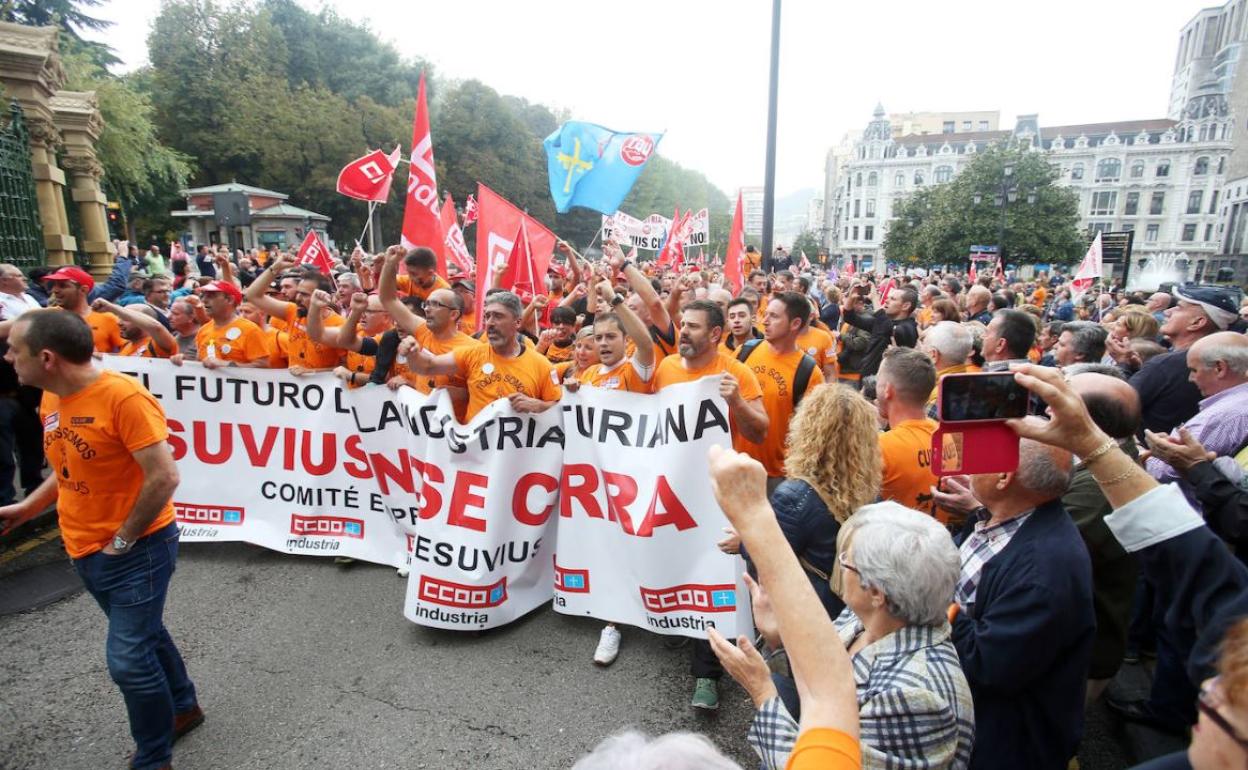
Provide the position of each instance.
(832, 468)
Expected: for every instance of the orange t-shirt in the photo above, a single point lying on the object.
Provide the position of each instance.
(240, 341)
(145, 348)
(819, 345)
(424, 383)
(824, 748)
(775, 375)
(276, 341)
(557, 354)
(490, 376)
(671, 370)
(302, 351)
(105, 331)
(360, 363)
(906, 449)
(406, 287)
(468, 323)
(624, 376)
(89, 439)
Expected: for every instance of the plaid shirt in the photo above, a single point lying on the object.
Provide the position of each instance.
(914, 704)
(979, 548)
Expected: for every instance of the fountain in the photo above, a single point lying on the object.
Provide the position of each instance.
(1165, 267)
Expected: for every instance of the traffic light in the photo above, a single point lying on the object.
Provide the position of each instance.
(115, 227)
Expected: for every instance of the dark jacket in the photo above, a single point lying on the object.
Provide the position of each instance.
(811, 531)
(1224, 503)
(884, 331)
(1167, 398)
(1026, 644)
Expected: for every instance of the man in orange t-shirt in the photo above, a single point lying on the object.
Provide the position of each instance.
(113, 478)
(505, 368)
(304, 354)
(70, 287)
(145, 336)
(421, 279)
(613, 331)
(227, 339)
(905, 380)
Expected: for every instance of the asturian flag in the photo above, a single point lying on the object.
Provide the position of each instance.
(595, 167)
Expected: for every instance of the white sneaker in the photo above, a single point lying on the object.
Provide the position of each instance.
(608, 646)
(404, 571)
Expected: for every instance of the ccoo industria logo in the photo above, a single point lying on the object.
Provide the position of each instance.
(444, 592)
(573, 581)
(691, 597)
(191, 513)
(326, 526)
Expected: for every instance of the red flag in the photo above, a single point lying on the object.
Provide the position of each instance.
(422, 217)
(999, 275)
(368, 178)
(521, 275)
(885, 289)
(313, 252)
(805, 263)
(734, 262)
(1090, 269)
(470, 210)
(973, 275)
(673, 251)
(850, 269)
(496, 230)
(456, 249)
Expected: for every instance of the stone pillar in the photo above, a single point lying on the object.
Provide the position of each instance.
(78, 118)
(31, 72)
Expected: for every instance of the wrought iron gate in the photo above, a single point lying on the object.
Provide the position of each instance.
(21, 234)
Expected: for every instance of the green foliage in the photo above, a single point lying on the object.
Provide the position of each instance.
(72, 16)
(806, 242)
(938, 225)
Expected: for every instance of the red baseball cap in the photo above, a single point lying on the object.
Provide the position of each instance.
(75, 274)
(225, 287)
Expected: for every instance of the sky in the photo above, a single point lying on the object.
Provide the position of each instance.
(697, 69)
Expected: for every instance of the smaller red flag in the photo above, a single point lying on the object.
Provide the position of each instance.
(734, 262)
(313, 252)
(470, 210)
(456, 249)
(973, 275)
(521, 275)
(368, 178)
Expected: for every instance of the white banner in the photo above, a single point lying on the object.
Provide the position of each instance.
(302, 466)
(648, 233)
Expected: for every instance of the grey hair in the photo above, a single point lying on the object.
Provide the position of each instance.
(909, 557)
(1038, 471)
(508, 300)
(1088, 367)
(350, 278)
(1087, 339)
(952, 340)
(631, 750)
(1234, 356)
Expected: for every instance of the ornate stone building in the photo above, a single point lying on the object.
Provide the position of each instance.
(63, 127)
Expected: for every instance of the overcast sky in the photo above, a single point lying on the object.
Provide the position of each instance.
(698, 68)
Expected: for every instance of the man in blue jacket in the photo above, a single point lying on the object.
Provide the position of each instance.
(1025, 625)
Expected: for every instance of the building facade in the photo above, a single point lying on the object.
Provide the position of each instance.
(907, 123)
(274, 221)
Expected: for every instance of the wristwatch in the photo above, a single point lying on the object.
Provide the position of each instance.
(617, 300)
(121, 544)
(627, 264)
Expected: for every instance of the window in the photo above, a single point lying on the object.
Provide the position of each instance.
(873, 179)
(900, 179)
(1101, 227)
(1076, 171)
(983, 125)
(1158, 203)
(1104, 203)
(1128, 227)
(1202, 166)
(1194, 199)
(1137, 170)
(1163, 168)
(966, 125)
(868, 233)
(943, 174)
(847, 233)
(855, 232)
(871, 207)
(1208, 232)
(858, 180)
(1109, 170)
(1189, 232)
(918, 179)
(1221, 164)
(1150, 233)
(1133, 204)
(857, 207)
(1213, 203)
(947, 127)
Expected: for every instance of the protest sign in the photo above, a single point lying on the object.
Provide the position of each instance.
(648, 233)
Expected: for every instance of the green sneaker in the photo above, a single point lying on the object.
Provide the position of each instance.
(706, 694)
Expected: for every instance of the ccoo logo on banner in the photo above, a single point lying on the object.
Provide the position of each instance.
(494, 518)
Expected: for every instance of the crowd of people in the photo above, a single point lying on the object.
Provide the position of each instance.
(904, 620)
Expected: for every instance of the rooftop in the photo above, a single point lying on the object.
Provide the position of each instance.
(235, 187)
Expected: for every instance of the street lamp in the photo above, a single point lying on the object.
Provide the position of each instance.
(1007, 194)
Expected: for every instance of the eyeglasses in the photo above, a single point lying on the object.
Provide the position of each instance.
(841, 558)
(434, 303)
(1208, 701)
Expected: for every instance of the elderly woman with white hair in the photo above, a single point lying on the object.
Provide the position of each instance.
(898, 574)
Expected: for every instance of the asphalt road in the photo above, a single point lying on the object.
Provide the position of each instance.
(302, 664)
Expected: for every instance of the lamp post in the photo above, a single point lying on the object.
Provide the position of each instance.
(1006, 194)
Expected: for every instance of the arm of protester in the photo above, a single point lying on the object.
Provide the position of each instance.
(423, 362)
(344, 337)
(1119, 349)
(953, 493)
(574, 267)
(1224, 502)
(643, 355)
(821, 665)
(17, 514)
(640, 284)
(160, 479)
(528, 319)
(225, 268)
(528, 404)
(197, 307)
(388, 293)
(577, 293)
(117, 281)
(679, 287)
(750, 416)
(496, 275)
(154, 329)
(257, 294)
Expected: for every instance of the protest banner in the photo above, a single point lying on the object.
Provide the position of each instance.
(649, 233)
(302, 466)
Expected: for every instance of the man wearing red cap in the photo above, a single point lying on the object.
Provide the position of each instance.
(228, 339)
(69, 287)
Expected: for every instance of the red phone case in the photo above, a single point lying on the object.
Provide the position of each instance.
(974, 447)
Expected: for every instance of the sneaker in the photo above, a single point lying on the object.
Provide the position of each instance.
(404, 571)
(706, 694)
(344, 561)
(608, 646)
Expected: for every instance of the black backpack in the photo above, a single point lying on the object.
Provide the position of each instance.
(801, 379)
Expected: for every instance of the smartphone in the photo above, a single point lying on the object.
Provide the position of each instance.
(982, 397)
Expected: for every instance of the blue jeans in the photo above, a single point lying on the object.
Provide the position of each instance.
(142, 659)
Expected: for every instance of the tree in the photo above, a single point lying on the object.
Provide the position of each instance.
(938, 225)
(71, 16)
(806, 242)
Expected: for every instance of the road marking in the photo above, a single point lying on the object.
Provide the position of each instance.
(32, 543)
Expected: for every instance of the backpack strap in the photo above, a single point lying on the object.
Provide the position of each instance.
(747, 348)
(802, 379)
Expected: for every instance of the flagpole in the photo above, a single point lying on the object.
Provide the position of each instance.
(769, 172)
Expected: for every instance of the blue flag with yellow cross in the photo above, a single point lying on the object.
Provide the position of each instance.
(595, 167)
